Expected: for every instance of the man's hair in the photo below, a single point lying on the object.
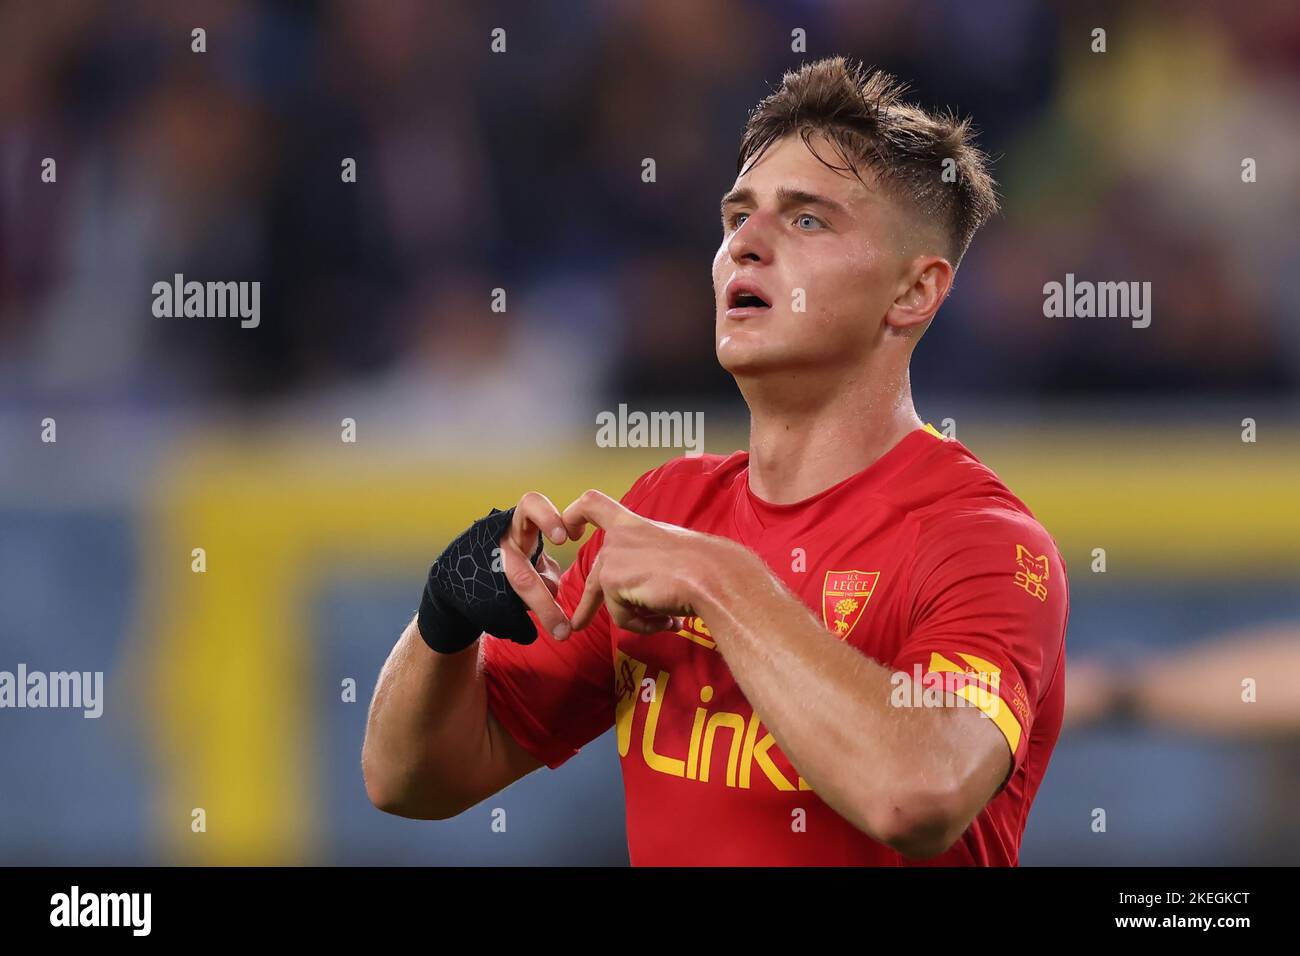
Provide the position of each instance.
(861, 112)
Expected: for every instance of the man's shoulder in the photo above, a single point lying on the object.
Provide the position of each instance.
(973, 536)
(951, 494)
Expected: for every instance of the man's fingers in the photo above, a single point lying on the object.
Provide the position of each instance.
(549, 569)
(639, 621)
(532, 590)
(596, 508)
(653, 624)
(591, 600)
(535, 512)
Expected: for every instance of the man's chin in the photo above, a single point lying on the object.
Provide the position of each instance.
(748, 358)
(758, 360)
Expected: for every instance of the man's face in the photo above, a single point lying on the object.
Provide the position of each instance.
(825, 254)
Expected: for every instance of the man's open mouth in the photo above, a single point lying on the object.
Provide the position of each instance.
(743, 294)
(747, 300)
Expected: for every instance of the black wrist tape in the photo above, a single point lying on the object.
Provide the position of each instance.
(464, 596)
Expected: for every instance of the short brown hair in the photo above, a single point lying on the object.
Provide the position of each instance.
(861, 112)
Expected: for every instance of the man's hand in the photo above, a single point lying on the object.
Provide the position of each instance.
(647, 572)
(536, 585)
(486, 580)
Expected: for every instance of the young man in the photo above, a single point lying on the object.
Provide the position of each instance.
(845, 646)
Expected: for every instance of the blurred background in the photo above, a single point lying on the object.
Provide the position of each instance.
(228, 690)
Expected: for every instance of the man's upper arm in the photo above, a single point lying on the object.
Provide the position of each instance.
(989, 604)
(508, 761)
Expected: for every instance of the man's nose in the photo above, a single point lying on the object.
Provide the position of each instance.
(752, 241)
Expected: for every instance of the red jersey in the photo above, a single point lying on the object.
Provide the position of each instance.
(923, 561)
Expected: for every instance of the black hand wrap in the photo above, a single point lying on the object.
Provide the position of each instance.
(464, 596)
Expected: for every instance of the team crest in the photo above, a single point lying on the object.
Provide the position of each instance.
(844, 597)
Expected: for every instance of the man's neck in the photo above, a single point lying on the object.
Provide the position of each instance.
(796, 452)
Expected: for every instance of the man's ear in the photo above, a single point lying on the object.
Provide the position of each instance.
(922, 290)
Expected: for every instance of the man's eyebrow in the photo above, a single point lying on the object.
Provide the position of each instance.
(785, 197)
(737, 197)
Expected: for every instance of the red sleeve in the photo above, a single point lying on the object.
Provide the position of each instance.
(989, 604)
(555, 697)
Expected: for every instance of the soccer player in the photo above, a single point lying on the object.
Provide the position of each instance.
(844, 646)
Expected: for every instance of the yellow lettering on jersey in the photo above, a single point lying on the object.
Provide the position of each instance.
(736, 723)
(693, 754)
(629, 673)
(672, 766)
(743, 753)
(758, 754)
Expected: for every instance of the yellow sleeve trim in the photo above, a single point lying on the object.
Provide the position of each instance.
(985, 698)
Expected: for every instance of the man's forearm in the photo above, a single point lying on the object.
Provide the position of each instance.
(433, 748)
(886, 769)
(427, 708)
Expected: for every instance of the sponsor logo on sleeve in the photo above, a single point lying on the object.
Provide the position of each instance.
(1031, 572)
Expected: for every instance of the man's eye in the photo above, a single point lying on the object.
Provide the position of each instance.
(806, 218)
(738, 219)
